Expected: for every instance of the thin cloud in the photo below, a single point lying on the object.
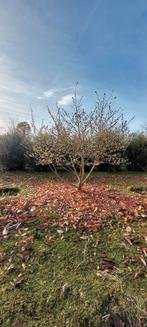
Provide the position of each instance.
(66, 100)
(54, 92)
(15, 93)
(11, 82)
(47, 94)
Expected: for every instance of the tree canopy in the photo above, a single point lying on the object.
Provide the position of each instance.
(77, 138)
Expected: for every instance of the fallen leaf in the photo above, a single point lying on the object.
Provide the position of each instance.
(143, 260)
(128, 239)
(65, 290)
(138, 274)
(10, 269)
(117, 320)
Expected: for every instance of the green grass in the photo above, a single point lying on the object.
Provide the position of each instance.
(55, 259)
(65, 173)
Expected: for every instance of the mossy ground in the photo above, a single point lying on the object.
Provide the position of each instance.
(44, 258)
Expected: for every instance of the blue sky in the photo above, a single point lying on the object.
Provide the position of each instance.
(48, 45)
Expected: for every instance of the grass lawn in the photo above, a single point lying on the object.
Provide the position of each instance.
(75, 259)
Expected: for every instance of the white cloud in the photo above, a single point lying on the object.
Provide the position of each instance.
(66, 100)
(47, 94)
(52, 92)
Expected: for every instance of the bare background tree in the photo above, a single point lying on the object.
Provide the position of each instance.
(77, 138)
(145, 129)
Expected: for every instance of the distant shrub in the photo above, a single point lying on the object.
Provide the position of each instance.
(137, 153)
(12, 151)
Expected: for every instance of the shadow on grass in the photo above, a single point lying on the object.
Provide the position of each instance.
(9, 191)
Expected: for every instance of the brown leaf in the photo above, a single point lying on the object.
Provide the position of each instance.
(143, 260)
(108, 264)
(65, 290)
(128, 240)
(144, 250)
(117, 320)
(138, 274)
(19, 282)
(10, 269)
(2, 257)
(25, 255)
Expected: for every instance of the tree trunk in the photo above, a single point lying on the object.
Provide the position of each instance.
(79, 185)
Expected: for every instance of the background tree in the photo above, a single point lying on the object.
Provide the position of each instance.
(78, 139)
(23, 128)
(145, 129)
(137, 152)
(12, 151)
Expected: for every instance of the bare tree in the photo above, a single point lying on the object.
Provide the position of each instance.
(145, 129)
(78, 139)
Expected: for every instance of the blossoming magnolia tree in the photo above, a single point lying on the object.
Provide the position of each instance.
(77, 138)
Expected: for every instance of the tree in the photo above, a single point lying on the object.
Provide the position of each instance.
(145, 129)
(12, 151)
(77, 139)
(137, 152)
(23, 128)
